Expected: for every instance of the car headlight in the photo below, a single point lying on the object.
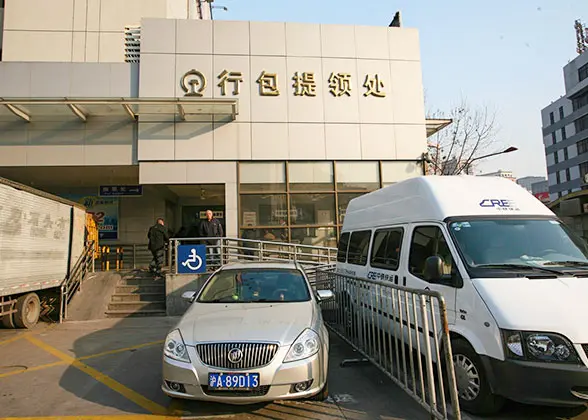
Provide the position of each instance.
(307, 344)
(538, 346)
(174, 347)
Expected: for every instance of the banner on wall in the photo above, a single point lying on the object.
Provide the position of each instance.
(105, 212)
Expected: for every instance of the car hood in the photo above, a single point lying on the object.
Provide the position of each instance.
(543, 305)
(279, 322)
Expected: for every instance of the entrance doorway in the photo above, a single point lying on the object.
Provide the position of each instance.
(193, 201)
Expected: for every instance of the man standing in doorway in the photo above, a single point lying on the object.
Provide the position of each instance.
(158, 238)
(211, 228)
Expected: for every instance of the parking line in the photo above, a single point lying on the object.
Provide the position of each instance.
(90, 356)
(12, 339)
(128, 393)
(107, 353)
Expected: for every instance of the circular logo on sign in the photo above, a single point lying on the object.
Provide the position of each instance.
(235, 355)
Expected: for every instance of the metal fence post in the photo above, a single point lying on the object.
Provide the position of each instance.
(175, 257)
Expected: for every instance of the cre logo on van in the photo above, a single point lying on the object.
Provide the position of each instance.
(499, 204)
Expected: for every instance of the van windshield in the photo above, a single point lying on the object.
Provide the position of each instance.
(492, 243)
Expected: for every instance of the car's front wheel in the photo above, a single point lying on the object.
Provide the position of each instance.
(475, 395)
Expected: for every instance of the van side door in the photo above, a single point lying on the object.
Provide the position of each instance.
(427, 240)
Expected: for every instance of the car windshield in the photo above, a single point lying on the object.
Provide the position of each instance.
(255, 285)
(516, 242)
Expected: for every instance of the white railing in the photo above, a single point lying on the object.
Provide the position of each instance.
(237, 249)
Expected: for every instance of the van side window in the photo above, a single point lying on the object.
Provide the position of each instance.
(386, 248)
(343, 243)
(358, 247)
(428, 241)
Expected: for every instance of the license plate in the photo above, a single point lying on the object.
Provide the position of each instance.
(233, 380)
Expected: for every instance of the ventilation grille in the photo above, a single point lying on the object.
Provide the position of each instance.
(132, 44)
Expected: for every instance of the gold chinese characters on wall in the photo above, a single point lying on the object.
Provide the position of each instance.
(194, 83)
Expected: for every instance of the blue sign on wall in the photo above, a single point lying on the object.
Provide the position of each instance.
(191, 259)
(121, 190)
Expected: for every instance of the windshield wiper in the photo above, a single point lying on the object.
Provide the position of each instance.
(521, 267)
(570, 262)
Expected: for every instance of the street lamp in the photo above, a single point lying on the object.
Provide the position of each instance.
(508, 150)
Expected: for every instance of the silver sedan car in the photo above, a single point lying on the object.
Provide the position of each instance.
(254, 333)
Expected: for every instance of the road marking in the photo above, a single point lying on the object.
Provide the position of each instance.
(106, 353)
(128, 393)
(90, 356)
(13, 339)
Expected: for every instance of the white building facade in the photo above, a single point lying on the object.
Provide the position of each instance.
(274, 126)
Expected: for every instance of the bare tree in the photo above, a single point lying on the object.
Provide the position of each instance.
(453, 150)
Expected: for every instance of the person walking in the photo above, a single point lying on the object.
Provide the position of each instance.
(158, 238)
(212, 228)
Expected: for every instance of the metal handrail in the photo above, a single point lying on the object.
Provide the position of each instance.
(240, 249)
(73, 282)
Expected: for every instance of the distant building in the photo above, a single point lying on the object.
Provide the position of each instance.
(502, 174)
(565, 136)
(528, 181)
(565, 132)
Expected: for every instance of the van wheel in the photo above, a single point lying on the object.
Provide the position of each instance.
(472, 386)
(28, 310)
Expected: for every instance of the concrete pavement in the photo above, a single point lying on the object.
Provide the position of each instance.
(111, 369)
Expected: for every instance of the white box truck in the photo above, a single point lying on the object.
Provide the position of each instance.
(514, 278)
(41, 239)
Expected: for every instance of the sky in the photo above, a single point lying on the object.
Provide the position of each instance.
(507, 55)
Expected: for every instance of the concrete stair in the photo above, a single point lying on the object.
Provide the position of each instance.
(137, 294)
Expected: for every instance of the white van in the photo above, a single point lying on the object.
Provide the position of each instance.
(514, 278)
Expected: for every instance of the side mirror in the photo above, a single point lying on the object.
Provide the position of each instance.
(325, 295)
(188, 296)
(433, 269)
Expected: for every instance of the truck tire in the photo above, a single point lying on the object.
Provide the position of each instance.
(28, 310)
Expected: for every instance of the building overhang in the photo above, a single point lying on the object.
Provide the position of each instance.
(135, 109)
(434, 125)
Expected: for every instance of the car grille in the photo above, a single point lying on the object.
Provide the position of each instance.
(253, 354)
(258, 392)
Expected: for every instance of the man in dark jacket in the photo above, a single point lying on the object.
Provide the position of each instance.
(211, 228)
(158, 238)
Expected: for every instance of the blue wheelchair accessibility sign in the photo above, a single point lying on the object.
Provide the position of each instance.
(191, 259)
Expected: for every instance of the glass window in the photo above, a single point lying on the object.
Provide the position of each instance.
(563, 133)
(551, 118)
(566, 156)
(265, 234)
(428, 241)
(312, 209)
(314, 236)
(255, 285)
(358, 247)
(357, 176)
(517, 241)
(583, 72)
(343, 243)
(561, 113)
(343, 202)
(263, 210)
(556, 157)
(261, 177)
(311, 176)
(553, 138)
(386, 248)
(581, 123)
(399, 171)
